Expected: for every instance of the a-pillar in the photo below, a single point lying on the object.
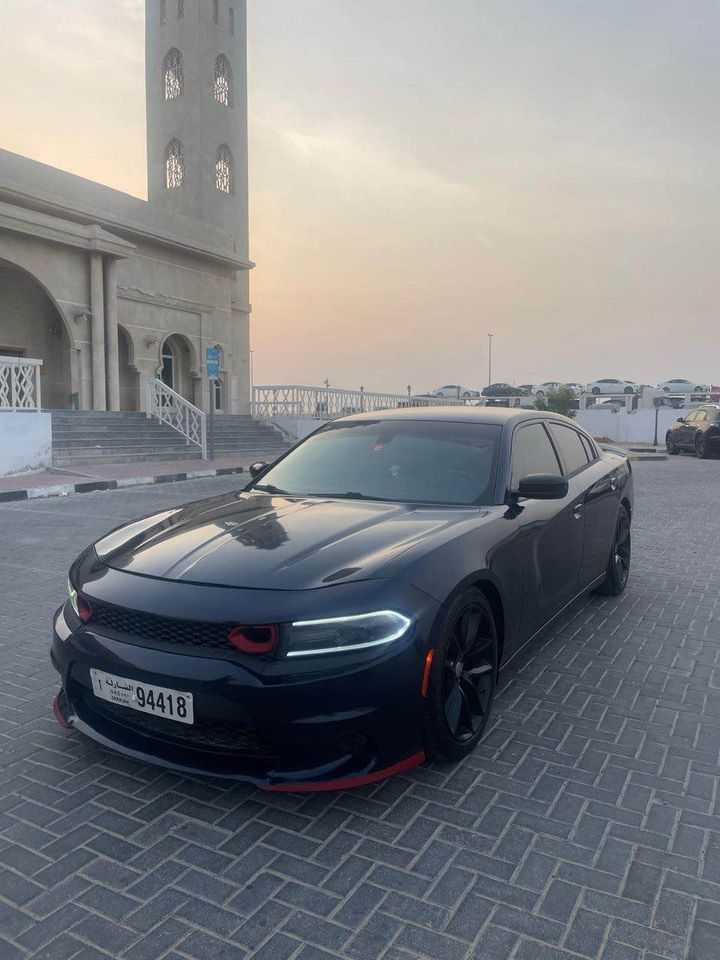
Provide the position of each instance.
(97, 309)
(111, 335)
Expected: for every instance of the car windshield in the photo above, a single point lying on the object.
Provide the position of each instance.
(411, 461)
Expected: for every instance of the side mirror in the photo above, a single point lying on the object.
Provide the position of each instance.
(681, 419)
(257, 468)
(543, 486)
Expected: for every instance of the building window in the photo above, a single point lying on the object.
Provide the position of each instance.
(181, 9)
(224, 169)
(223, 81)
(174, 164)
(163, 12)
(173, 82)
(216, 11)
(232, 21)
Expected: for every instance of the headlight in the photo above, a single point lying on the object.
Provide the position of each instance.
(72, 593)
(80, 605)
(341, 634)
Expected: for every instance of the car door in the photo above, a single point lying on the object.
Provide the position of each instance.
(551, 530)
(601, 498)
(686, 430)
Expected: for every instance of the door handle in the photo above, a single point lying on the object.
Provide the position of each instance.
(578, 511)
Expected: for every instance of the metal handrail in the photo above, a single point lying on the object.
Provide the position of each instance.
(326, 403)
(171, 408)
(20, 384)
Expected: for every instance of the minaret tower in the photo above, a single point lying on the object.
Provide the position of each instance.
(197, 112)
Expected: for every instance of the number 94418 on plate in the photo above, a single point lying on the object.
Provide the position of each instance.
(145, 697)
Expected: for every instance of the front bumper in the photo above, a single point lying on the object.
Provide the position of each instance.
(341, 721)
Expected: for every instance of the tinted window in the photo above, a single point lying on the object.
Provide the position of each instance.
(572, 449)
(701, 415)
(691, 416)
(532, 453)
(589, 447)
(401, 460)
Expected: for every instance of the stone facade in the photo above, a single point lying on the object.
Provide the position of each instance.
(111, 291)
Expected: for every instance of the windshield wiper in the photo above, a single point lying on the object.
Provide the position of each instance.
(268, 488)
(351, 495)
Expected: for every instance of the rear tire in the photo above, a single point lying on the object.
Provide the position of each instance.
(618, 568)
(629, 390)
(539, 393)
(463, 677)
(670, 446)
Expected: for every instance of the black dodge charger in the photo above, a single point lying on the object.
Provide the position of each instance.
(345, 615)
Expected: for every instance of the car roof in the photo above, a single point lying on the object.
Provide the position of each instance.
(458, 414)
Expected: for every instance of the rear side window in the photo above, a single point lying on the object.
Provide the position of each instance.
(572, 449)
(532, 453)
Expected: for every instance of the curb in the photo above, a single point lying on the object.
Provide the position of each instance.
(92, 486)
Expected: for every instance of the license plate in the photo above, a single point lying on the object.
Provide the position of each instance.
(145, 697)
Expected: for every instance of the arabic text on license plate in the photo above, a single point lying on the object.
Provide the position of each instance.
(145, 697)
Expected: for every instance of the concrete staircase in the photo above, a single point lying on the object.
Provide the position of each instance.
(85, 439)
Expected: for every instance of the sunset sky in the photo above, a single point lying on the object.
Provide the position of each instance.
(423, 173)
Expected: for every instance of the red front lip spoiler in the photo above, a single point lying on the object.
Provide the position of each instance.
(349, 782)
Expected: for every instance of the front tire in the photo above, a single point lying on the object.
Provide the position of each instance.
(618, 568)
(629, 390)
(701, 448)
(596, 391)
(462, 678)
(539, 393)
(671, 446)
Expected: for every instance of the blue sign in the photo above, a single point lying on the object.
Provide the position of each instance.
(212, 359)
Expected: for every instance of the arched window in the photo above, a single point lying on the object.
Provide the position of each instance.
(232, 21)
(223, 81)
(163, 12)
(181, 9)
(216, 11)
(173, 81)
(174, 164)
(224, 169)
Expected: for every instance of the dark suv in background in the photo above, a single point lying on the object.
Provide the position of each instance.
(699, 431)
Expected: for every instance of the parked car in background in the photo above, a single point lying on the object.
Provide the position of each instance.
(527, 387)
(698, 431)
(503, 390)
(611, 385)
(542, 388)
(454, 390)
(680, 386)
(577, 388)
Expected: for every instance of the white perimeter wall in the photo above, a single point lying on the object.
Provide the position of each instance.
(25, 442)
(637, 426)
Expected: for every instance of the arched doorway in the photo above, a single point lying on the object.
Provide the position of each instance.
(129, 375)
(31, 326)
(176, 365)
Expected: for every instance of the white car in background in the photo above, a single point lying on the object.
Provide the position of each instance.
(684, 387)
(610, 385)
(454, 390)
(542, 388)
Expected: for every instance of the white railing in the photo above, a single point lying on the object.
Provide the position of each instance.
(20, 383)
(177, 412)
(326, 403)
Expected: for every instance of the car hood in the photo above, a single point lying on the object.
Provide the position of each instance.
(261, 541)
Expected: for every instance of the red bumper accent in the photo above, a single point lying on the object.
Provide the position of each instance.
(349, 782)
(59, 715)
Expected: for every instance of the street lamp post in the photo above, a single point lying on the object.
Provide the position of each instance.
(490, 340)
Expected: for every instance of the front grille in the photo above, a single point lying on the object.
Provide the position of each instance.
(161, 631)
(204, 734)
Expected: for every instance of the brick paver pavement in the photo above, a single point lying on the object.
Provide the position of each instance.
(585, 826)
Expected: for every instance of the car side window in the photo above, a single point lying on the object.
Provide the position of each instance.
(701, 415)
(572, 449)
(532, 453)
(691, 417)
(589, 447)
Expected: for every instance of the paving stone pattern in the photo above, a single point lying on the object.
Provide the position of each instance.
(585, 825)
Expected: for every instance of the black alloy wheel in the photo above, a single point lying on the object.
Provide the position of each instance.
(701, 447)
(618, 569)
(462, 678)
(595, 391)
(671, 446)
(629, 390)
